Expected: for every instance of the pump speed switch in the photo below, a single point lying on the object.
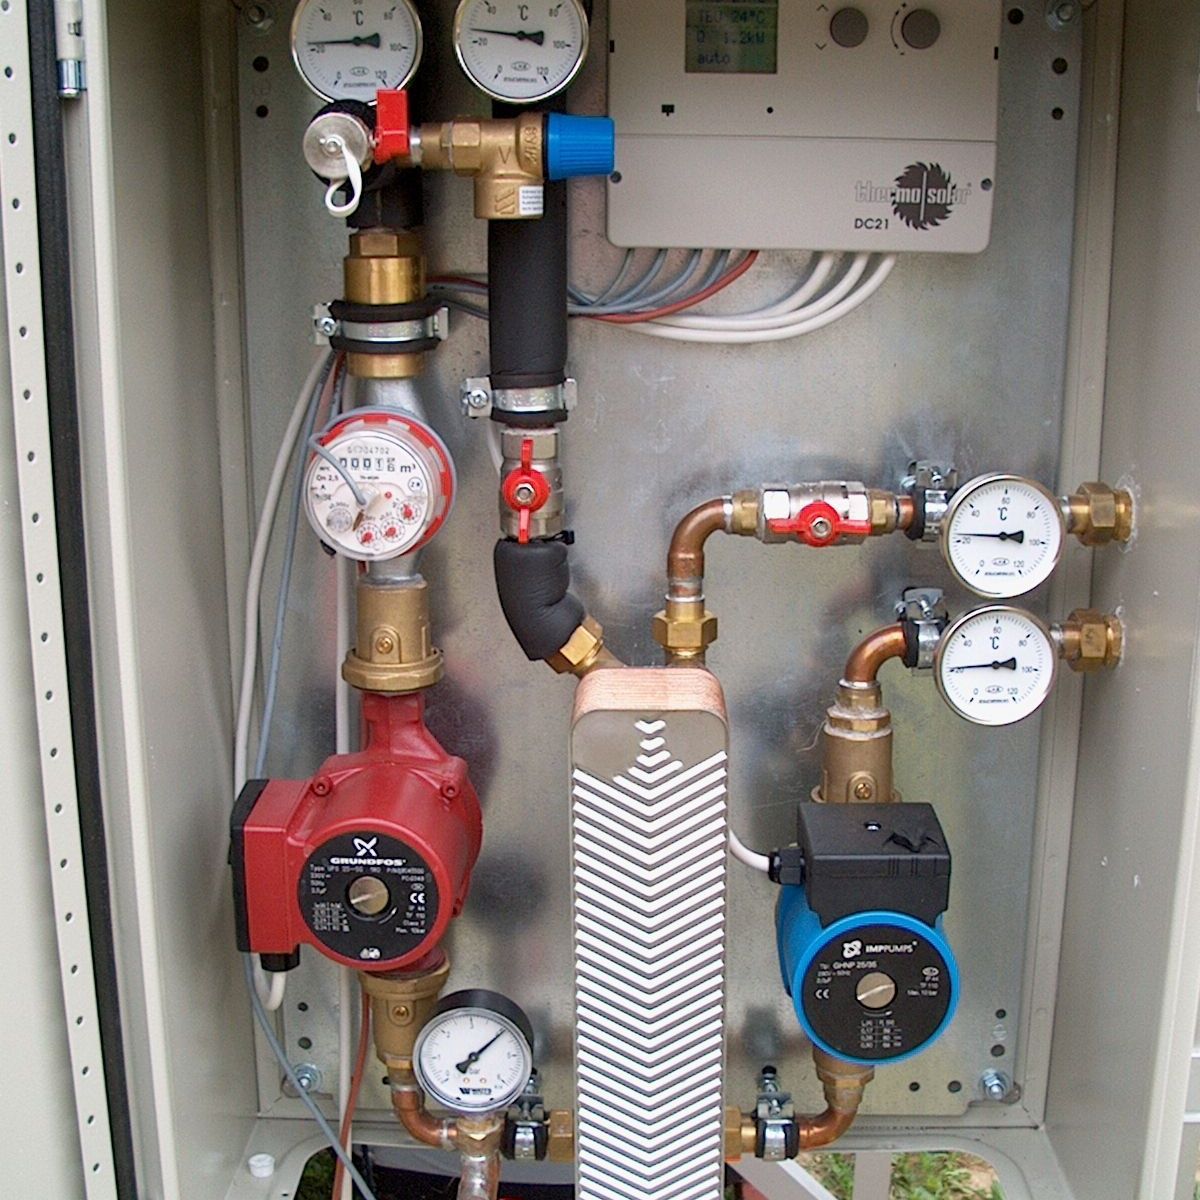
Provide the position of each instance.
(369, 860)
(870, 973)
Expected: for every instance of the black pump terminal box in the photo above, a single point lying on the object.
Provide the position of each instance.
(861, 857)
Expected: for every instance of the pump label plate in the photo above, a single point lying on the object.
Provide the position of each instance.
(399, 922)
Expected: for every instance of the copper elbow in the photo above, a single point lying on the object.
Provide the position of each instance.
(826, 1129)
(685, 560)
(870, 655)
(409, 1106)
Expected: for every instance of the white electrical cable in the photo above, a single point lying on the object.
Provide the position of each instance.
(760, 862)
(805, 322)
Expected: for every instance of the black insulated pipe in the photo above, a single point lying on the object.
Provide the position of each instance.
(534, 583)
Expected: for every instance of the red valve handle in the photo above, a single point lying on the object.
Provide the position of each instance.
(819, 525)
(526, 476)
(392, 131)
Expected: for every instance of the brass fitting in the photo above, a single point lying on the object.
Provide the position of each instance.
(384, 266)
(885, 512)
(401, 1004)
(505, 157)
(1090, 641)
(844, 1084)
(736, 1123)
(856, 749)
(394, 651)
(584, 652)
(1098, 514)
(561, 1143)
(686, 636)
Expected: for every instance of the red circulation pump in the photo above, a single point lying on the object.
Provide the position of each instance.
(368, 860)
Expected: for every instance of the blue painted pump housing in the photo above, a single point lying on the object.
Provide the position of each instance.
(872, 988)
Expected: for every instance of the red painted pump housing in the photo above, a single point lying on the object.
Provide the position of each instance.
(368, 860)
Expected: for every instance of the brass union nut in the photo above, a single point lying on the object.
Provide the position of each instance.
(581, 651)
(693, 636)
(1099, 514)
(1092, 641)
(885, 515)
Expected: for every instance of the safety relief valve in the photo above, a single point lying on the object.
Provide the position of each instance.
(859, 923)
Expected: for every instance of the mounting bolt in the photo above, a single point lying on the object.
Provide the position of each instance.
(308, 1076)
(1062, 13)
(258, 16)
(995, 1085)
(476, 398)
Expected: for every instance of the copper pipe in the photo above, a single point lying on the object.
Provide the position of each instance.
(685, 560)
(906, 512)
(826, 1129)
(409, 1105)
(885, 644)
(844, 1085)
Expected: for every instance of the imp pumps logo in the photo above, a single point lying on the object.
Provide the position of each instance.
(852, 949)
(925, 195)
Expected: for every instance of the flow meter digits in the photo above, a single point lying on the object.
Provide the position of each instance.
(871, 975)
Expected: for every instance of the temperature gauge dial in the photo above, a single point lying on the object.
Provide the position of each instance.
(996, 666)
(382, 486)
(349, 50)
(476, 1053)
(1003, 536)
(521, 53)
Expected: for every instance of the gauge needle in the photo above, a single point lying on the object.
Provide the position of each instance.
(539, 37)
(463, 1067)
(1003, 537)
(372, 40)
(1009, 665)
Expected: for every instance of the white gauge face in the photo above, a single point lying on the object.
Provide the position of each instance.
(473, 1060)
(519, 52)
(996, 666)
(1003, 536)
(349, 49)
(382, 489)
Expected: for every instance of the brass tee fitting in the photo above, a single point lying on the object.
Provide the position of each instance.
(1090, 641)
(384, 267)
(1098, 514)
(393, 651)
(505, 157)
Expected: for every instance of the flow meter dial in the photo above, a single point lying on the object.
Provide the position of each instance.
(475, 1055)
(996, 666)
(1003, 536)
(349, 49)
(521, 53)
(382, 487)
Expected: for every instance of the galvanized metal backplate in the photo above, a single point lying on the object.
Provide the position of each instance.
(649, 788)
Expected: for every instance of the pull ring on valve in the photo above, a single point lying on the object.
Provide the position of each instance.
(353, 177)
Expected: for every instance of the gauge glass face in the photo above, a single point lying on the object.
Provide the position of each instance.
(349, 49)
(521, 52)
(473, 1060)
(403, 484)
(1003, 536)
(996, 666)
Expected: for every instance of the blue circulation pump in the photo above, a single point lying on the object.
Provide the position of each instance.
(859, 924)
(578, 146)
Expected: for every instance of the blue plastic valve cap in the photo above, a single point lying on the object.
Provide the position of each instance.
(579, 146)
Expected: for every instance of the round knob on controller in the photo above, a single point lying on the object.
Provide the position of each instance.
(849, 27)
(921, 29)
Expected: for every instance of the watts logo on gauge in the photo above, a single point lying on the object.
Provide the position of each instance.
(1003, 536)
(521, 53)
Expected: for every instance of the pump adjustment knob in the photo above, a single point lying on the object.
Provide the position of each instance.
(921, 29)
(849, 27)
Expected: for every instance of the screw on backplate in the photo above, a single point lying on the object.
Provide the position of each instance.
(326, 326)
(258, 16)
(308, 1077)
(995, 1085)
(477, 399)
(1062, 13)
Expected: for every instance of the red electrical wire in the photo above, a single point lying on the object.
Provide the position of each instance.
(731, 276)
(356, 1079)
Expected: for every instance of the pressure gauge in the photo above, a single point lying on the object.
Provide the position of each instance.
(1003, 535)
(475, 1055)
(381, 485)
(521, 53)
(996, 666)
(349, 49)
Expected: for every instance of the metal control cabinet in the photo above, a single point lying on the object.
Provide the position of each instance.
(1067, 351)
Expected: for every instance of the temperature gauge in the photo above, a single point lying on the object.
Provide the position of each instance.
(381, 485)
(521, 53)
(1003, 536)
(476, 1053)
(349, 49)
(996, 666)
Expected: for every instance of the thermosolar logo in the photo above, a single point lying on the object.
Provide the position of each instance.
(925, 196)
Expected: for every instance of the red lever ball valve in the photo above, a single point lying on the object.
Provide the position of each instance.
(525, 491)
(367, 861)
